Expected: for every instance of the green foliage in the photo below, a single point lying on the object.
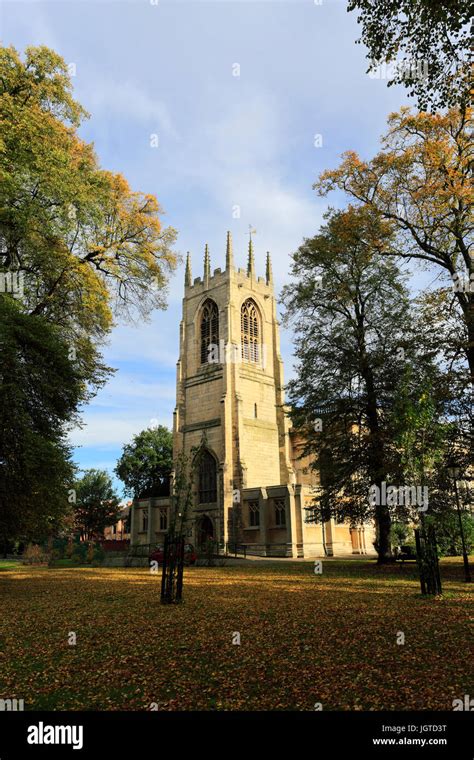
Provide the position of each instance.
(40, 389)
(86, 240)
(448, 534)
(98, 554)
(421, 435)
(429, 31)
(354, 335)
(79, 551)
(402, 534)
(88, 247)
(146, 463)
(58, 548)
(421, 184)
(96, 505)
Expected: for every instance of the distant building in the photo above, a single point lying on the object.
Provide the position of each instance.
(253, 488)
(120, 531)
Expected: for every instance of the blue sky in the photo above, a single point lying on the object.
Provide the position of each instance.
(167, 68)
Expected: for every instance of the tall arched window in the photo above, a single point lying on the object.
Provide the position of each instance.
(209, 329)
(207, 479)
(250, 332)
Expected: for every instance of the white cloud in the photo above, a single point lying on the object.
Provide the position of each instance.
(125, 388)
(129, 101)
(102, 429)
(154, 341)
(240, 165)
(226, 141)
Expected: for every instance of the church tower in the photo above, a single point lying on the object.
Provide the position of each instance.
(230, 391)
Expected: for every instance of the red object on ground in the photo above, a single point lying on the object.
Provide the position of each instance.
(157, 555)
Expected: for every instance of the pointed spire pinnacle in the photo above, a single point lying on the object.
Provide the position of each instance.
(207, 264)
(269, 270)
(229, 255)
(188, 273)
(251, 261)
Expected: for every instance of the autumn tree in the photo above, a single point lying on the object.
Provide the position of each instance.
(421, 184)
(435, 39)
(145, 464)
(352, 313)
(89, 247)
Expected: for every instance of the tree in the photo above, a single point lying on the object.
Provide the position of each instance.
(420, 433)
(352, 311)
(435, 38)
(40, 389)
(421, 183)
(146, 463)
(420, 436)
(96, 505)
(89, 247)
(448, 535)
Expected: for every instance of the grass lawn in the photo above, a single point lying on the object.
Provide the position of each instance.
(305, 638)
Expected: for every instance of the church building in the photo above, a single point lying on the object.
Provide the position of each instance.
(253, 486)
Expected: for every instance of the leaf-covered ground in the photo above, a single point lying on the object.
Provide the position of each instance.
(305, 639)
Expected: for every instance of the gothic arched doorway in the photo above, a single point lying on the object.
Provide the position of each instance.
(205, 531)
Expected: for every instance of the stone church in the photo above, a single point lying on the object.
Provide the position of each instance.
(253, 486)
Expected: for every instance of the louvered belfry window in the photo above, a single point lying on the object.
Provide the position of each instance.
(207, 479)
(250, 332)
(209, 329)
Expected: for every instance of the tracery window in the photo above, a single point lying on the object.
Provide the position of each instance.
(250, 332)
(254, 514)
(280, 513)
(207, 479)
(163, 518)
(209, 329)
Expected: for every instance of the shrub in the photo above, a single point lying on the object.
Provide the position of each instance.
(58, 548)
(98, 554)
(35, 555)
(401, 534)
(448, 535)
(81, 548)
(79, 552)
